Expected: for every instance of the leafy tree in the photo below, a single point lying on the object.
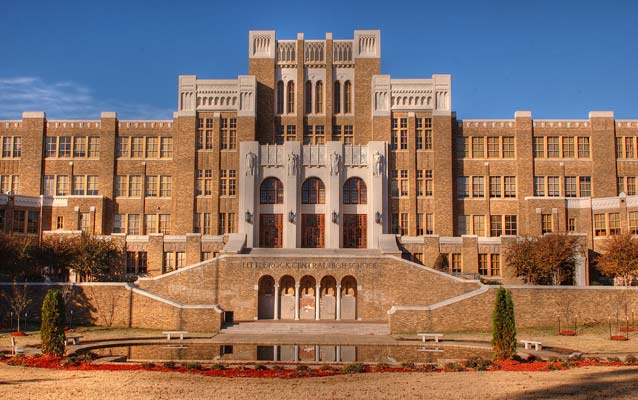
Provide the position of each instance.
(441, 263)
(52, 330)
(16, 259)
(97, 259)
(547, 260)
(503, 326)
(620, 258)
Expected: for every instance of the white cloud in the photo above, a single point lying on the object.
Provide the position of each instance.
(65, 100)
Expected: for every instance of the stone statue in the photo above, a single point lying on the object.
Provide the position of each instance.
(292, 164)
(335, 161)
(251, 158)
(377, 160)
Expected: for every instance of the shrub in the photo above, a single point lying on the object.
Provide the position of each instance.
(567, 364)
(52, 330)
(355, 368)
(503, 326)
(194, 366)
(169, 364)
(630, 359)
(302, 367)
(552, 367)
(613, 359)
(220, 367)
(408, 365)
(70, 362)
(382, 366)
(477, 363)
(531, 358)
(452, 367)
(429, 367)
(326, 368)
(148, 365)
(277, 368)
(260, 367)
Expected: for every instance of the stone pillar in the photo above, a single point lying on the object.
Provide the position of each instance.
(248, 193)
(338, 354)
(296, 352)
(275, 353)
(377, 194)
(317, 295)
(296, 301)
(291, 199)
(316, 353)
(333, 183)
(338, 302)
(276, 316)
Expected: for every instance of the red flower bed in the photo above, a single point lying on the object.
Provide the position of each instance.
(628, 329)
(18, 333)
(567, 333)
(618, 337)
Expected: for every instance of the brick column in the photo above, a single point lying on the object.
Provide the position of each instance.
(603, 153)
(524, 170)
(470, 254)
(193, 248)
(155, 254)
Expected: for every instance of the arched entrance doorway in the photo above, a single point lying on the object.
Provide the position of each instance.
(328, 300)
(307, 300)
(348, 298)
(287, 297)
(266, 297)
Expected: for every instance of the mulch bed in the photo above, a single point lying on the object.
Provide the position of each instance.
(567, 333)
(18, 333)
(62, 363)
(618, 337)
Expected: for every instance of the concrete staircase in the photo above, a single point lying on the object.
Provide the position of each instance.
(313, 328)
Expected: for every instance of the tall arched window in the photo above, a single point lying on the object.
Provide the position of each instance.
(313, 191)
(271, 191)
(337, 103)
(291, 97)
(347, 97)
(319, 97)
(280, 97)
(355, 191)
(308, 97)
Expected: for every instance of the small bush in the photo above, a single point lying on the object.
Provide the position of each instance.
(278, 368)
(382, 366)
(326, 368)
(553, 359)
(302, 367)
(613, 359)
(355, 368)
(567, 364)
(37, 355)
(52, 329)
(220, 367)
(408, 365)
(194, 366)
(452, 367)
(429, 367)
(148, 365)
(70, 362)
(531, 358)
(552, 367)
(169, 364)
(260, 367)
(630, 359)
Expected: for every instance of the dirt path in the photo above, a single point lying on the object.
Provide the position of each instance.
(584, 383)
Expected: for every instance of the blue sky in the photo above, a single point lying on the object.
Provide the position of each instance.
(559, 59)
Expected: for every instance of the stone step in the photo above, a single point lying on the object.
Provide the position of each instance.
(344, 328)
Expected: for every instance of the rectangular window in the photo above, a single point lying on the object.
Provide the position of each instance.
(511, 227)
(166, 147)
(553, 186)
(151, 147)
(495, 186)
(493, 147)
(462, 225)
(279, 134)
(6, 147)
(482, 264)
(571, 224)
(150, 225)
(151, 186)
(404, 133)
(117, 223)
(619, 149)
(600, 228)
(59, 223)
(614, 223)
(394, 134)
(395, 223)
(428, 133)
(478, 147)
(92, 185)
(553, 149)
(79, 146)
(633, 222)
(165, 224)
(180, 257)
(48, 186)
(539, 147)
(583, 147)
(429, 224)
(394, 183)
(17, 147)
(620, 184)
(134, 186)
(568, 147)
(133, 224)
(78, 185)
(463, 186)
(84, 221)
(570, 186)
(496, 225)
(478, 186)
(169, 261)
(62, 185)
(404, 183)
(221, 224)
(495, 265)
(291, 133)
(419, 224)
(137, 147)
(631, 186)
(420, 183)
(419, 134)
(19, 222)
(51, 146)
(64, 146)
(123, 146)
(94, 147)
(33, 222)
(463, 147)
(547, 223)
(403, 224)
(429, 183)
(585, 186)
(510, 186)
(120, 186)
(508, 147)
(629, 148)
(478, 225)
(166, 186)
(456, 263)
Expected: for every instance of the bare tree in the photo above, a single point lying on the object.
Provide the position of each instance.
(18, 300)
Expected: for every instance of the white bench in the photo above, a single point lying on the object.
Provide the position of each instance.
(538, 346)
(425, 336)
(74, 339)
(169, 334)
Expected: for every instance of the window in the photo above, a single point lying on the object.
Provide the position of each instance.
(633, 222)
(133, 224)
(17, 147)
(495, 186)
(117, 223)
(291, 97)
(553, 150)
(493, 147)
(343, 134)
(355, 191)
(94, 147)
(419, 134)
(478, 147)
(510, 186)
(337, 96)
(165, 224)
(585, 186)
(619, 149)
(79, 147)
(204, 183)
(62, 185)
(429, 183)
(279, 134)
(166, 147)
(403, 183)
(620, 184)
(136, 262)
(478, 225)
(629, 147)
(151, 147)
(313, 191)
(228, 134)
(428, 133)
(180, 257)
(78, 185)
(308, 97)
(419, 224)
(166, 186)
(570, 186)
(571, 224)
(631, 186)
(547, 223)
(137, 147)
(19, 221)
(495, 265)
(347, 97)
(120, 185)
(271, 191)
(403, 224)
(482, 264)
(314, 134)
(319, 97)
(429, 224)
(291, 133)
(462, 225)
(134, 186)
(463, 148)
(226, 223)
(508, 147)
(583, 147)
(539, 147)
(203, 223)
(227, 182)
(151, 186)
(59, 223)
(394, 138)
(463, 186)
(600, 228)
(6, 147)
(204, 138)
(51, 145)
(614, 223)
(169, 261)
(511, 225)
(280, 97)
(568, 147)
(496, 225)
(48, 186)
(64, 146)
(457, 265)
(403, 134)
(122, 146)
(420, 183)
(478, 186)
(553, 186)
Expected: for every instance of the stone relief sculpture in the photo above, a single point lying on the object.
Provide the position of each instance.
(335, 163)
(251, 158)
(377, 160)
(293, 160)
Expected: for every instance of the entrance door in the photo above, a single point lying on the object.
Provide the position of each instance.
(270, 230)
(312, 230)
(355, 231)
